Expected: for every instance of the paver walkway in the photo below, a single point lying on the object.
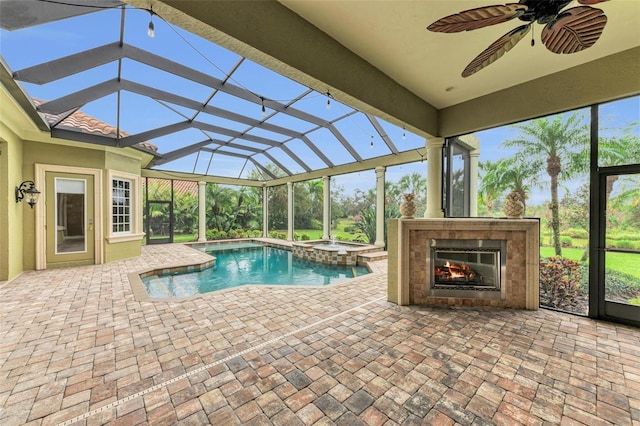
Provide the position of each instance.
(77, 348)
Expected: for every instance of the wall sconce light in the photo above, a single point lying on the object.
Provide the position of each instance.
(27, 189)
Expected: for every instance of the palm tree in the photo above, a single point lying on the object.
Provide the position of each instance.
(491, 186)
(560, 141)
(219, 199)
(615, 151)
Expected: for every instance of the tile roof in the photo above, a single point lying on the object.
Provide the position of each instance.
(79, 121)
(182, 187)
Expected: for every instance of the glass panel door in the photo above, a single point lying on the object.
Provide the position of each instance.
(620, 245)
(70, 215)
(70, 227)
(455, 166)
(159, 220)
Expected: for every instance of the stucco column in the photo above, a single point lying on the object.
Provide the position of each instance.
(290, 211)
(473, 182)
(202, 212)
(434, 178)
(326, 207)
(380, 198)
(265, 211)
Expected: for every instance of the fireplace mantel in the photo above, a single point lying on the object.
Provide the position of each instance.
(408, 251)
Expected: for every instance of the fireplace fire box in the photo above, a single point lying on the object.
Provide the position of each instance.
(463, 268)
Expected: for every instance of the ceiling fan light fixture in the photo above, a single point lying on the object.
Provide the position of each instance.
(565, 30)
(151, 29)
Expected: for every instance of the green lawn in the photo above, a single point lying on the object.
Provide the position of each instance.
(628, 263)
(183, 238)
(569, 253)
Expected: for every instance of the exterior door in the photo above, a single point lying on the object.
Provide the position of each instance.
(69, 223)
(619, 254)
(456, 179)
(159, 221)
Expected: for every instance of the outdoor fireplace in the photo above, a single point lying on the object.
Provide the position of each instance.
(491, 262)
(465, 268)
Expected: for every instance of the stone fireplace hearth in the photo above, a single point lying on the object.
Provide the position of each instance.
(464, 262)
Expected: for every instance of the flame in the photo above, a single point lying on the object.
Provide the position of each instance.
(453, 271)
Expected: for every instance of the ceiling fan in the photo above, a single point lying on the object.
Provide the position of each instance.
(565, 31)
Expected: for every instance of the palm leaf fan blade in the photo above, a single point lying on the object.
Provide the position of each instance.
(574, 30)
(497, 49)
(481, 17)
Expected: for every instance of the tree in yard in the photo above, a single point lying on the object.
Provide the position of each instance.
(559, 141)
(575, 211)
(615, 151)
(367, 225)
(507, 174)
(410, 183)
(491, 186)
(185, 210)
(219, 200)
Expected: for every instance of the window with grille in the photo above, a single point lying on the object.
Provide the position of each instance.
(121, 206)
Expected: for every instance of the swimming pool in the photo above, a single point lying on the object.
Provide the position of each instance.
(248, 263)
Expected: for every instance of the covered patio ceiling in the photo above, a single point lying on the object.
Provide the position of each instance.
(205, 110)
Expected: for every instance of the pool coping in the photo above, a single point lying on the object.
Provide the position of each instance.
(140, 293)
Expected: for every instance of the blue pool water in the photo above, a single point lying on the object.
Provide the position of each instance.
(248, 263)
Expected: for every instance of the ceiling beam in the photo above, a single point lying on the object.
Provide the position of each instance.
(383, 135)
(272, 35)
(388, 161)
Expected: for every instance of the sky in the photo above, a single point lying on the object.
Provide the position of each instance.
(27, 47)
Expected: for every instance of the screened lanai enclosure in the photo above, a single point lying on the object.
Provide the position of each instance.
(198, 108)
(127, 78)
(232, 149)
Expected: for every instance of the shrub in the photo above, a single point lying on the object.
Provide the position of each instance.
(215, 234)
(620, 286)
(277, 235)
(633, 236)
(350, 229)
(626, 244)
(237, 233)
(566, 241)
(305, 237)
(576, 233)
(559, 282)
(634, 301)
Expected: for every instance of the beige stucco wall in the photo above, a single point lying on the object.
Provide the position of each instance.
(22, 146)
(60, 155)
(12, 214)
(119, 251)
(123, 163)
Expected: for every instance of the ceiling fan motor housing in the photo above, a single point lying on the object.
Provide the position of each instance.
(542, 11)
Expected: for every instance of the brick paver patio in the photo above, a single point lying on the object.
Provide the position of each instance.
(78, 348)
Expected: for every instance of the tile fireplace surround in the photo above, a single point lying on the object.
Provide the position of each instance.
(409, 246)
